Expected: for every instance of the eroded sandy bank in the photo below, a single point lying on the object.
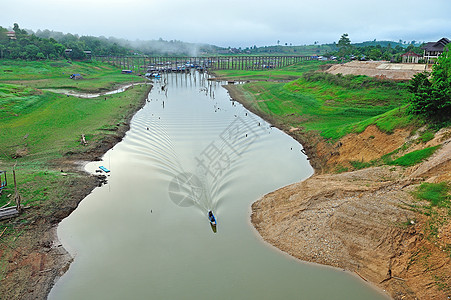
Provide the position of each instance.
(362, 221)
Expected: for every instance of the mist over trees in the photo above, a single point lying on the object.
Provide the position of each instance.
(48, 44)
(115, 46)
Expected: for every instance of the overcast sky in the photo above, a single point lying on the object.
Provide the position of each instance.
(236, 23)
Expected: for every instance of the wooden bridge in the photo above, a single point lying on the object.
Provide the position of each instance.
(172, 64)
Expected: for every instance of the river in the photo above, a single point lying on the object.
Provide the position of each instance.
(145, 234)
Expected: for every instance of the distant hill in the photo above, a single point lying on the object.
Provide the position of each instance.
(49, 44)
(393, 44)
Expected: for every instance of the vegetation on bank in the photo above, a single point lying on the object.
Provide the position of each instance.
(436, 193)
(332, 105)
(40, 137)
(438, 210)
(284, 74)
(96, 76)
(40, 127)
(414, 157)
(431, 93)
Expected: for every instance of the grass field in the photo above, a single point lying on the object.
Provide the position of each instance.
(38, 127)
(283, 74)
(31, 120)
(97, 76)
(329, 108)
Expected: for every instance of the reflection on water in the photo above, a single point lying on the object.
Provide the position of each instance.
(146, 235)
(214, 228)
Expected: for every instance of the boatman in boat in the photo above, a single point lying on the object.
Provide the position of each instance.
(210, 215)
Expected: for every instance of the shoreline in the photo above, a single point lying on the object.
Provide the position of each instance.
(46, 260)
(359, 228)
(305, 140)
(354, 274)
(51, 260)
(66, 258)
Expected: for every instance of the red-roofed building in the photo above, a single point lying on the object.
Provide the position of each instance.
(410, 58)
(11, 35)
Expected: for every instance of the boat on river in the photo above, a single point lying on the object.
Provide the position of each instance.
(153, 74)
(211, 218)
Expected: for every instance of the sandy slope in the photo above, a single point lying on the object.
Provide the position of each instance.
(383, 70)
(363, 220)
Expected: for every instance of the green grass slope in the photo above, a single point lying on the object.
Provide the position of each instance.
(329, 108)
(38, 127)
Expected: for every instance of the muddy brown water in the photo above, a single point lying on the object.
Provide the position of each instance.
(146, 235)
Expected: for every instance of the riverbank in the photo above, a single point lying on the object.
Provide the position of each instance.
(37, 258)
(366, 221)
(52, 180)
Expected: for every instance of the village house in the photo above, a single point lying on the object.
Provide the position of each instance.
(432, 50)
(11, 35)
(88, 53)
(410, 58)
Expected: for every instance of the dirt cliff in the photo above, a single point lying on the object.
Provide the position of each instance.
(367, 221)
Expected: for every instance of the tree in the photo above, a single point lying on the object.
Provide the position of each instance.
(344, 40)
(3, 37)
(2, 49)
(375, 54)
(431, 97)
(19, 31)
(344, 44)
(16, 28)
(31, 51)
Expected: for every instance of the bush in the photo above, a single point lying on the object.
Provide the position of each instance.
(359, 164)
(414, 157)
(436, 193)
(426, 136)
(431, 98)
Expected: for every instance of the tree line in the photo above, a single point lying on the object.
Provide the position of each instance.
(31, 46)
(47, 44)
(383, 50)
